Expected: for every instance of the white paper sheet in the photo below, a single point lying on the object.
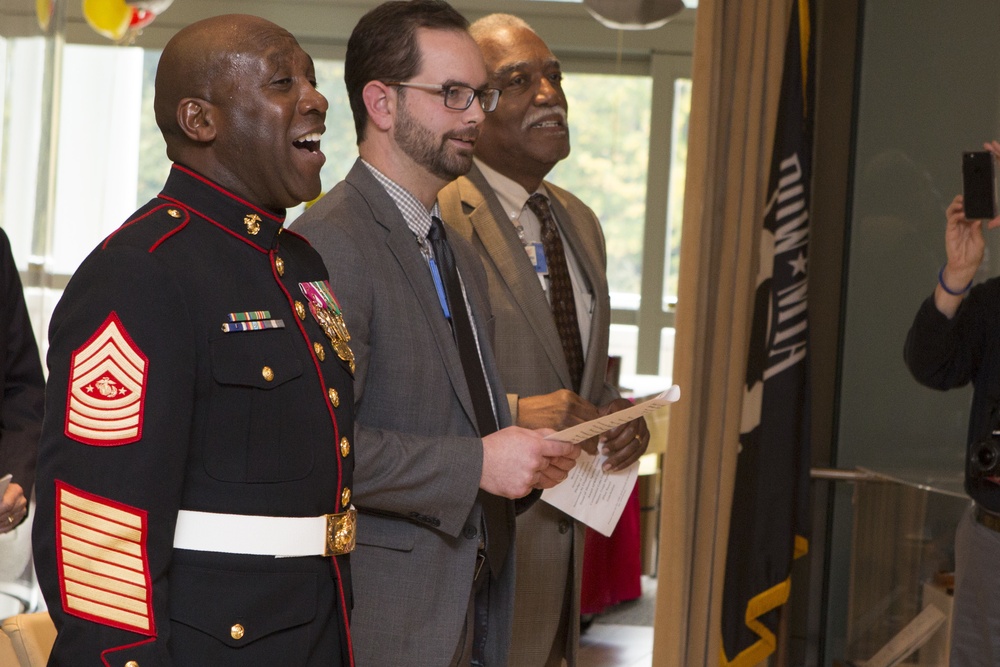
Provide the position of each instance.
(581, 432)
(589, 494)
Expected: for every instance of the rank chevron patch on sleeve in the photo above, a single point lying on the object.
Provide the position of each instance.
(103, 568)
(107, 388)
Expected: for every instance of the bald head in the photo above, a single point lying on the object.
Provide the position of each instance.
(236, 101)
(488, 25)
(491, 31)
(201, 61)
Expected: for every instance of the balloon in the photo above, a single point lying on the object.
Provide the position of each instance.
(110, 18)
(44, 10)
(155, 6)
(313, 201)
(142, 13)
(140, 19)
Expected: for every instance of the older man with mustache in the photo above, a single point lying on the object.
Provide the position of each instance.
(544, 256)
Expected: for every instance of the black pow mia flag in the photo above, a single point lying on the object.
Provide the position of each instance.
(769, 519)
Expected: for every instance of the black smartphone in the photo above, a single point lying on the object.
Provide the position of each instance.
(979, 185)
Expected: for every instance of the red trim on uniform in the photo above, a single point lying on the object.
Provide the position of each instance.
(105, 652)
(343, 610)
(319, 374)
(97, 581)
(344, 615)
(229, 194)
(219, 225)
(132, 221)
(298, 236)
(106, 391)
(175, 230)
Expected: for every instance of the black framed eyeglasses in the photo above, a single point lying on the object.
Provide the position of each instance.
(457, 96)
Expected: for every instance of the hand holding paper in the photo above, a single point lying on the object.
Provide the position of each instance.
(589, 494)
(595, 427)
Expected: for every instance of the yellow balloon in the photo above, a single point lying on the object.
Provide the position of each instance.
(43, 10)
(313, 201)
(108, 17)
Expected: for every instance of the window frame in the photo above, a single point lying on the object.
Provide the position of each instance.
(582, 44)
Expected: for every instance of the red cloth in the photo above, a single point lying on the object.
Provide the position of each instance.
(612, 566)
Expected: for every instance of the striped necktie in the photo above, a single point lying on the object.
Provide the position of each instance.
(560, 289)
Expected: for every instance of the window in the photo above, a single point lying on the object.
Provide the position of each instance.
(609, 135)
(627, 162)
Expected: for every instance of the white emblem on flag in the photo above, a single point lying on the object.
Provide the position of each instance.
(107, 388)
(103, 567)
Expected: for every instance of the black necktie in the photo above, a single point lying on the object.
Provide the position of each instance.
(495, 509)
(560, 289)
(497, 517)
(461, 327)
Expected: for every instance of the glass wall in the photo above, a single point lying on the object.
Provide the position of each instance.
(928, 91)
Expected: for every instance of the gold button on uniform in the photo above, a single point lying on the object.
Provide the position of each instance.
(267, 373)
(345, 449)
(300, 310)
(237, 631)
(334, 397)
(279, 265)
(131, 663)
(345, 497)
(320, 352)
(173, 213)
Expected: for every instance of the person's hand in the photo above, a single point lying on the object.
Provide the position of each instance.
(623, 445)
(559, 410)
(517, 460)
(13, 508)
(965, 245)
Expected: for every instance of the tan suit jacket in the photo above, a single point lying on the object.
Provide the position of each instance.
(531, 361)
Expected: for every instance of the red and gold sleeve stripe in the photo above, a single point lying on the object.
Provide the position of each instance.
(103, 566)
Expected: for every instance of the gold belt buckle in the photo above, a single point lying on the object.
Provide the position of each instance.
(341, 532)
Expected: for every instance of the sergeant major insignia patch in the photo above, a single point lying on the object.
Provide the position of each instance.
(107, 388)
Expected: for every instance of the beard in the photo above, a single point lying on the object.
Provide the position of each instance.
(437, 156)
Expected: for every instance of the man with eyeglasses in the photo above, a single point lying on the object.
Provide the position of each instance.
(438, 466)
(543, 251)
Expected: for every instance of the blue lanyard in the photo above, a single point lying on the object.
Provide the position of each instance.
(439, 286)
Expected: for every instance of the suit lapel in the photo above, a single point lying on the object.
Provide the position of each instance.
(403, 245)
(507, 254)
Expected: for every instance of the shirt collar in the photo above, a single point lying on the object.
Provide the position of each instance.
(511, 194)
(417, 218)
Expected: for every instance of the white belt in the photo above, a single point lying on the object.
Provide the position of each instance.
(278, 536)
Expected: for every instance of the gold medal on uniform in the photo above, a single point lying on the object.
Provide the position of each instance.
(327, 313)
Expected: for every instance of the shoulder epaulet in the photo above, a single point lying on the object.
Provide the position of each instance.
(150, 226)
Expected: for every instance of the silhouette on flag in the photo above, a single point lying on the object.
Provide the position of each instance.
(769, 519)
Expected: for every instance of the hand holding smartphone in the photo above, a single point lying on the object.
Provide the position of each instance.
(4, 483)
(979, 185)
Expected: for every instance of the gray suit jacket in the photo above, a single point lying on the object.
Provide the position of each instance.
(531, 360)
(419, 458)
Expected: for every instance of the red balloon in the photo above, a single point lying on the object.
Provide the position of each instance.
(155, 6)
(140, 19)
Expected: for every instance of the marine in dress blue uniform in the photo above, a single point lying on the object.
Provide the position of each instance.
(195, 468)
